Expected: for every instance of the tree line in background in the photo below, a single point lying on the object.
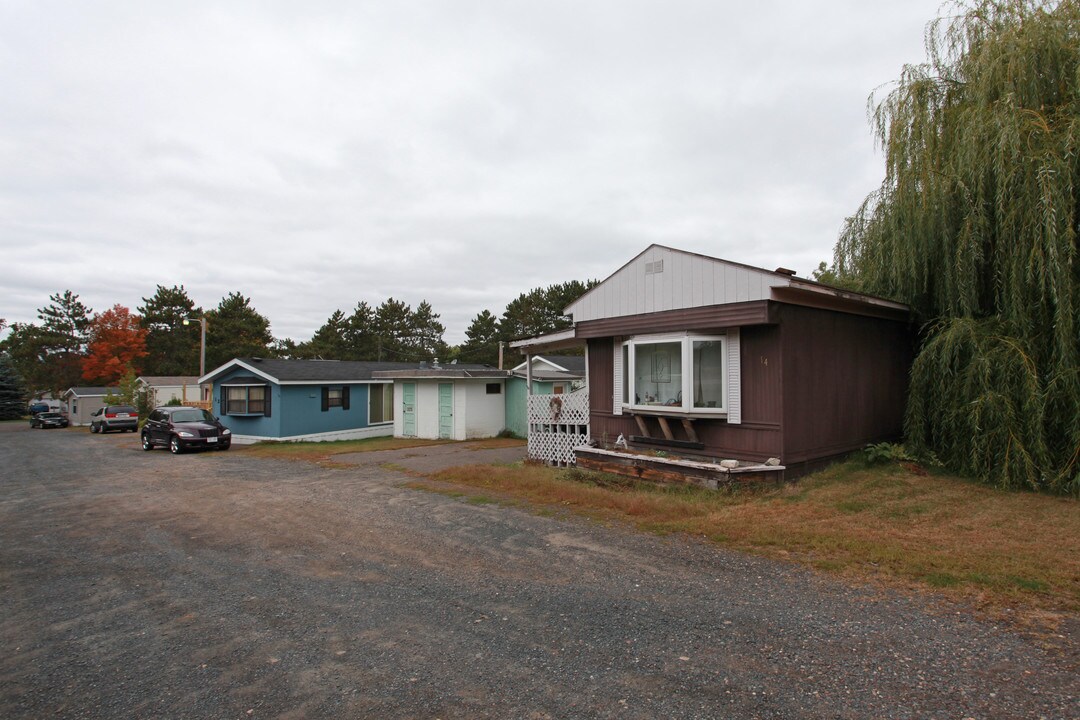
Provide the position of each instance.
(71, 345)
(975, 227)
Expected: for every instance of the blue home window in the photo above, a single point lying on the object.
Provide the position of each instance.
(333, 397)
(245, 400)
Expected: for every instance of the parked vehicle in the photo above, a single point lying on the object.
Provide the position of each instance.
(184, 428)
(48, 420)
(44, 405)
(114, 417)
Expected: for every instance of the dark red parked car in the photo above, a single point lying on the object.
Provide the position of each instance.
(184, 428)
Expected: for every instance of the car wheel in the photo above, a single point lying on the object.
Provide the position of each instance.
(174, 446)
(93, 428)
(146, 444)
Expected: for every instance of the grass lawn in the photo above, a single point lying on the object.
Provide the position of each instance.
(1011, 553)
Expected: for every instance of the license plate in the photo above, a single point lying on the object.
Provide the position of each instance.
(122, 415)
(211, 440)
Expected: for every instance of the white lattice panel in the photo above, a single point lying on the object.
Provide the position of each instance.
(554, 444)
(570, 409)
(557, 425)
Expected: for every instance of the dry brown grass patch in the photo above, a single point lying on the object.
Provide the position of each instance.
(999, 549)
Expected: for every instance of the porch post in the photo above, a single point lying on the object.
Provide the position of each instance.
(528, 373)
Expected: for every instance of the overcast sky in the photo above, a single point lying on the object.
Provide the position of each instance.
(312, 155)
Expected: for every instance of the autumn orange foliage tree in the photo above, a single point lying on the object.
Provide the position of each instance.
(117, 343)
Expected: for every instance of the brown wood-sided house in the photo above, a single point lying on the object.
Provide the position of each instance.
(713, 358)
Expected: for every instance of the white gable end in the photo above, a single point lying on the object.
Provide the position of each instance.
(662, 279)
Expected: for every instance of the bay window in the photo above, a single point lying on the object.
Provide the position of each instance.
(679, 374)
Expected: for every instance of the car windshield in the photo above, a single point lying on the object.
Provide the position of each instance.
(192, 415)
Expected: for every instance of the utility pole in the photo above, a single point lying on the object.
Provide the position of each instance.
(202, 342)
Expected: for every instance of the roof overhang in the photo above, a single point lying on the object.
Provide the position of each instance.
(549, 376)
(213, 375)
(243, 381)
(538, 358)
(70, 392)
(812, 294)
(441, 374)
(235, 363)
(562, 340)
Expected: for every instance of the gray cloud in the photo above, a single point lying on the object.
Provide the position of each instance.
(314, 157)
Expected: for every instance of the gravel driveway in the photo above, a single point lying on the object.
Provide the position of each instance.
(219, 585)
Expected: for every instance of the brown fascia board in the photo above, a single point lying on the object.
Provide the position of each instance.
(823, 297)
(755, 312)
(709, 317)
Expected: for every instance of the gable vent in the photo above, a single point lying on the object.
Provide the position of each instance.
(651, 268)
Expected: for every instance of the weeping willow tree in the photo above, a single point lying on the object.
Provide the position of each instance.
(975, 227)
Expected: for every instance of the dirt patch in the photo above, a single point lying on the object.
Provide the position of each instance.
(433, 458)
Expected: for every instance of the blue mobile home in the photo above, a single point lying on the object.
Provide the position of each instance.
(274, 399)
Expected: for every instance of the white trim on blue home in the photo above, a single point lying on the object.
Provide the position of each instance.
(380, 430)
(302, 400)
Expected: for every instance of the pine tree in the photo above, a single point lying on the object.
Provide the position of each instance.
(13, 392)
(540, 311)
(172, 347)
(234, 329)
(482, 340)
(330, 342)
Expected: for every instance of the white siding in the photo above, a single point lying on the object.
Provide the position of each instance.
(164, 393)
(399, 401)
(687, 281)
(476, 414)
(427, 409)
(481, 415)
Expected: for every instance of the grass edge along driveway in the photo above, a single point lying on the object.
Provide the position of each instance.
(1014, 555)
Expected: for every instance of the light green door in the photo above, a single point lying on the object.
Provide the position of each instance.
(408, 409)
(446, 411)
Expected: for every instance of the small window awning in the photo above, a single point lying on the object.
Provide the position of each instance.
(244, 381)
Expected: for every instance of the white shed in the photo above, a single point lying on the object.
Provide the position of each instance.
(449, 402)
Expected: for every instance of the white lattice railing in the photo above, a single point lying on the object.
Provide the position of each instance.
(557, 425)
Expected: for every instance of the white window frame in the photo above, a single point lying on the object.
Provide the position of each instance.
(247, 399)
(686, 342)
